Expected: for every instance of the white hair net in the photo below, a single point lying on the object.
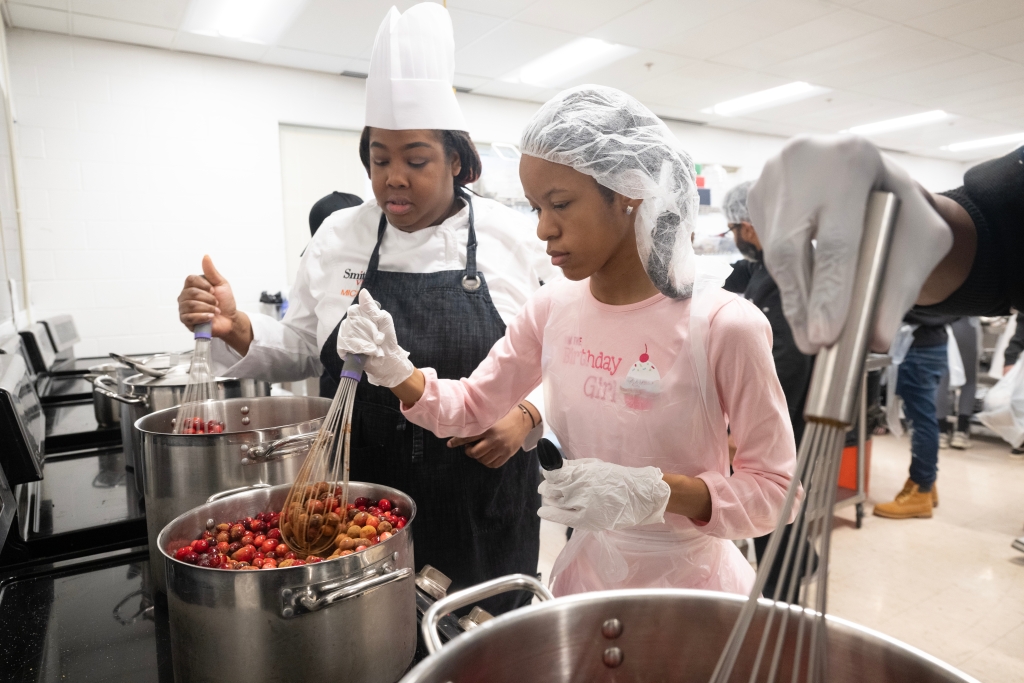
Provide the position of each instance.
(735, 203)
(611, 137)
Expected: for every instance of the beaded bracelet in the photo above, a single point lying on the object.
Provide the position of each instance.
(527, 413)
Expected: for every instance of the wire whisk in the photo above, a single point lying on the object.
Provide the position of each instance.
(313, 512)
(793, 637)
(198, 412)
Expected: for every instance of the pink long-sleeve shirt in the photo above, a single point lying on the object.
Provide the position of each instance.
(621, 385)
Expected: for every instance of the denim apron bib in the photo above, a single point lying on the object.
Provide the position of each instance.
(473, 523)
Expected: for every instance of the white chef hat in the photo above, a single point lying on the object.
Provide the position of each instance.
(411, 72)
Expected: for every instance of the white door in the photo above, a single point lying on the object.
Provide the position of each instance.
(314, 163)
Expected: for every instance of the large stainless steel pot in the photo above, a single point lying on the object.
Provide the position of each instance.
(261, 439)
(645, 635)
(349, 619)
(140, 395)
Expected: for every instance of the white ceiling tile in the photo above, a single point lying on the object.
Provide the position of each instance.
(661, 20)
(165, 13)
(51, 4)
(852, 52)
(635, 69)
(39, 18)
(497, 8)
(829, 30)
(967, 16)
(751, 23)
(336, 28)
(582, 16)
(469, 27)
(878, 66)
(997, 35)
(1014, 52)
(302, 59)
(515, 91)
(902, 10)
(236, 49)
(121, 31)
(509, 46)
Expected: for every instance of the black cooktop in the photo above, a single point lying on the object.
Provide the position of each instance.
(88, 620)
(73, 426)
(64, 388)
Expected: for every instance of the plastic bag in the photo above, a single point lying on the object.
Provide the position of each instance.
(1004, 407)
(957, 374)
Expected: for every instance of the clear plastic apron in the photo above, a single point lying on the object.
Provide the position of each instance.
(673, 554)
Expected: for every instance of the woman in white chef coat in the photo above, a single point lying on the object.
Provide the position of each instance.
(452, 271)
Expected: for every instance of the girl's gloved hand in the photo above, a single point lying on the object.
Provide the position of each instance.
(370, 332)
(817, 188)
(595, 495)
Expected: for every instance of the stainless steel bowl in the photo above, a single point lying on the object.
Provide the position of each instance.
(646, 635)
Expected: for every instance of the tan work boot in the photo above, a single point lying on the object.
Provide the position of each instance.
(935, 491)
(910, 502)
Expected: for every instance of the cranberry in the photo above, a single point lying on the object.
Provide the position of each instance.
(313, 559)
(400, 524)
(274, 534)
(222, 547)
(237, 531)
(268, 546)
(200, 546)
(384, 504)
(206, 561)
(298, 563)
(182, 552)
(232, 548)
(372, 521)
(191, 557)
(269, 563)
(247, 523)
(385, 535)
(257, 526)
(258, 541)
(259, 555)
(244, 554)
(361, 502)
(290, 555)
(257, 562)
(248, 539)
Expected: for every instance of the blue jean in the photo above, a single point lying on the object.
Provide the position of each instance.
(918, 385)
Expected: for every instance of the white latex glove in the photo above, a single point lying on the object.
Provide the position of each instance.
(369, 331)
(596, 495)
(817, 187)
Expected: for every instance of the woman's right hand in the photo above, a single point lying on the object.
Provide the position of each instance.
(208, 298)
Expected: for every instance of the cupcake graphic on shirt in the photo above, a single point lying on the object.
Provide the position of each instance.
(642, 384)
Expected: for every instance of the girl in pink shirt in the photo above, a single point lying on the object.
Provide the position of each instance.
(644, 367)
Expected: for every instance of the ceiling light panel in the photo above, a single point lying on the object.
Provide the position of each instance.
(765, 99)
(252, 21)
(998, 141)
(899, 123)
(572, 60)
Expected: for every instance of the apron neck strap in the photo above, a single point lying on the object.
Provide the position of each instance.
(470, 281)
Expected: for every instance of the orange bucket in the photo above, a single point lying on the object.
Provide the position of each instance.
(848, 468)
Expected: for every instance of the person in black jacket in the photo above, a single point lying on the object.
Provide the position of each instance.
(750, 279)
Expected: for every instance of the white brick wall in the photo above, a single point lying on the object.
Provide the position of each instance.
(136, 161)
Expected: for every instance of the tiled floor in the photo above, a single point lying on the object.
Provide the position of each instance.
(951, 585)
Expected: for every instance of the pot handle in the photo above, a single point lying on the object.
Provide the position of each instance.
(279, 449)
(102, 385)
(307, 600)
(240, 489)
(487, 589)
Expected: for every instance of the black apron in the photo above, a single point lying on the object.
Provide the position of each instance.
(473, 523)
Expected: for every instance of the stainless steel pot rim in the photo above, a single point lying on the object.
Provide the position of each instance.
(468, 639)
(269, 490)
(307, 425)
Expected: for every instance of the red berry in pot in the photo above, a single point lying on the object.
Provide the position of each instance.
(258, 562)
(237, 531)
(385, 535)
(258, 541)
(384, 504)
(313, 559)
(290, 555)
(248, 539)
(191, 557)
(232, 548)
(244, 554)
(298, 563)
(361, 502)
(269, 563)
(200, 546)
(372, 521)
(207, 560)
(222, 548)
(274, 534)
(268, 546)
(400, 524)
(374, 510)
(180, 553)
